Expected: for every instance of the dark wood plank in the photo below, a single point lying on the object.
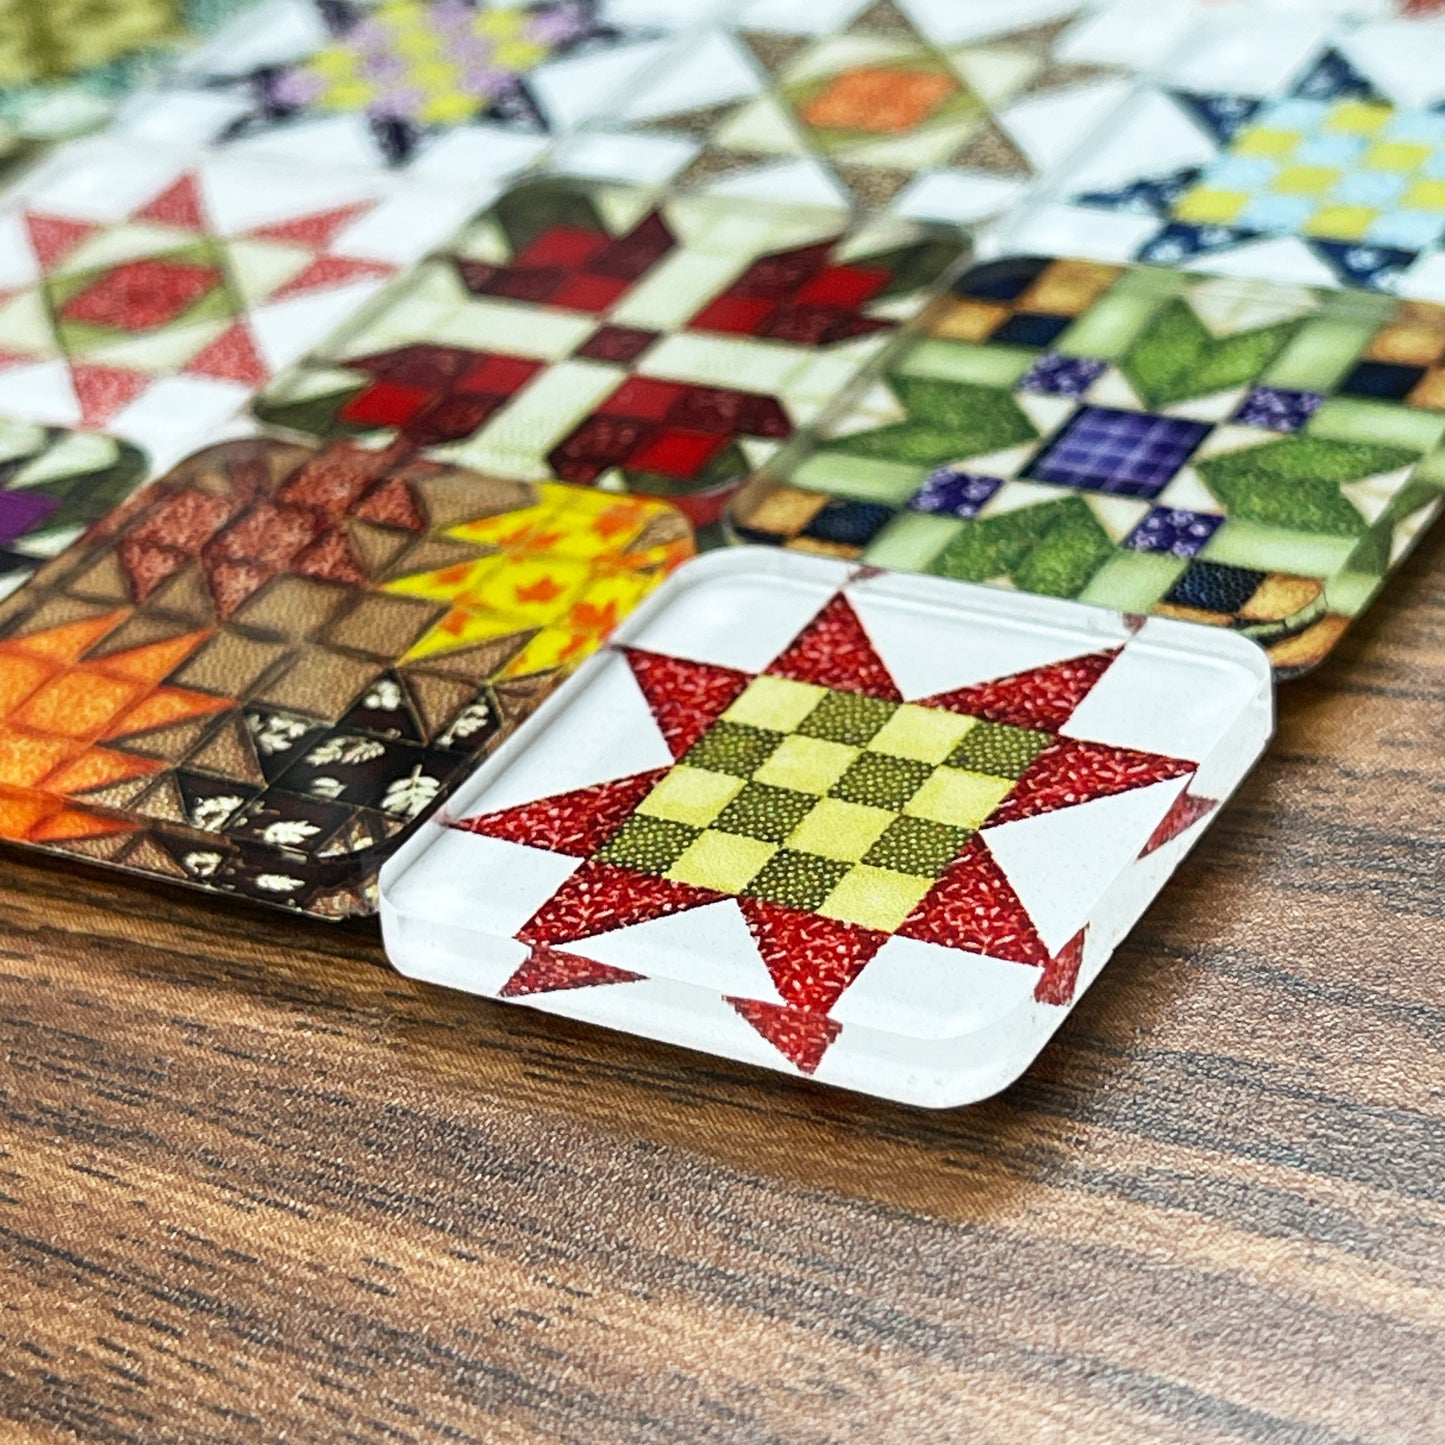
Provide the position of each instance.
(254, 1186)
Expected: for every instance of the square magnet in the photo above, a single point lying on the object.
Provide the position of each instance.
(875, 829)
(258, 674)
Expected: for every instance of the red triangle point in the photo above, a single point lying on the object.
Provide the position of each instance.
(801, 1037)
(686, 697)
(317, 230)
(550, 970)
(102, 391)
(834, 650)
(179, 204)
(575, 824)
(53, 238)
(324, 272)
(812, 959)
(1044, 698)
(232, 356)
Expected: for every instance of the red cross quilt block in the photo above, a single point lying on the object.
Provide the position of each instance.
(612, 336)
(843, 823)
(149, 294)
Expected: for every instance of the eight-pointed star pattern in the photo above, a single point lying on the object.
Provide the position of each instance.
(837, 812)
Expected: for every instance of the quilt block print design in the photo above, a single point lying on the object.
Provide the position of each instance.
(64, 66)
(1264, 149)
(54, 484)
(150, 297)
(255, 675)
(839, 816)
(482, 86)
(1229, 452)
(959, 106)
(606, 336)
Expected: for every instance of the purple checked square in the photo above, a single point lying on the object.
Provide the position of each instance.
(1175, 531)
(22, 512)
(1055, 375)
(1276, 409)
(1124, 453)
(951, 493)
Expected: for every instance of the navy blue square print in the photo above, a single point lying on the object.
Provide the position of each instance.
(1175, 531)
(1215, 587)
(951, 493)
(1125, 453)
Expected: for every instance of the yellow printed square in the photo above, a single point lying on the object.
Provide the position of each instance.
(1205, 206)
(960, 799)
(724, 862)
(776, 703)
(839, 830)
(1395, 155)
(807, 765)
(1424, 196)
(510, 529)
(691, 795)
(925, 734)
(607, 599)
(1266, 142)
(875, 898)
(1307, 180)
(1358, 117)
(1342, 223)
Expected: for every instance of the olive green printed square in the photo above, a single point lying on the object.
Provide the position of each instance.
(733, 748)
(650, 845)
(878, 780)
(847, 717)
(999, 750)
(797, 880)
(768, 814)
(918, 846)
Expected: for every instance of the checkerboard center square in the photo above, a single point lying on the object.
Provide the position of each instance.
(847, 717)
(825, 801)
(880, 781)
(1123, 453)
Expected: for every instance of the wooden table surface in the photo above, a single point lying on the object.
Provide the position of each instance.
(256, 1187)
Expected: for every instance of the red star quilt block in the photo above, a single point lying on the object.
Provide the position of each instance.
(148, 294)
(874, 831)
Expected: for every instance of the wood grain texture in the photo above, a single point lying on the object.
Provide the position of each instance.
(256, 1187)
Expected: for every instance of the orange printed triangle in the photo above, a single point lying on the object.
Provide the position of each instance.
(155, 661)
(66, 644)
(164, 706)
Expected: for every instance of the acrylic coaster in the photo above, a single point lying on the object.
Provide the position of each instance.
(1277, 141)
(257, 674)
(447, 88)
(875, 829)
(53, 485)
(148, 292)
(942, 109)
(1238, 453)
(614, 336)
